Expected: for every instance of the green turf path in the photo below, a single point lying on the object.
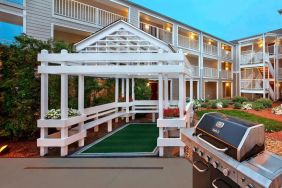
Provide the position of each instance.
(270, 125)
(133, 138)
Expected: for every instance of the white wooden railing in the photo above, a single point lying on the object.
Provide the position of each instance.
(280, 73)
(210, 49)
(225, 74)
(85, 13)
(250, 57)
(210, 72)
(195, 70)
(157, 32)
(253, 84)
(187, 42)
(226, 54)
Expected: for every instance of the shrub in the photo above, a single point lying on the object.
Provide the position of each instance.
(225, 103)
(247, 106)
(258, 106)
(56, 113)
(237, 105)
(277, 110)
(239, 99)
(213, 104)
(205, 105)
(267, 103)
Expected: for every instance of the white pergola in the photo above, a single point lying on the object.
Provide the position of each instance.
(123, 52)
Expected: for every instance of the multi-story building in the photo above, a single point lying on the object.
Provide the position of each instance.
(260, 65)
(12, 19)
(215, 61)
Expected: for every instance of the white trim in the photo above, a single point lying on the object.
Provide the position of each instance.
(24, 21)
(154, 16)
(12, 12)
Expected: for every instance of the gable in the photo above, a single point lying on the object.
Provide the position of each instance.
(121, 37)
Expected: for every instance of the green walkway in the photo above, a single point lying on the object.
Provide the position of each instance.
(132, 138)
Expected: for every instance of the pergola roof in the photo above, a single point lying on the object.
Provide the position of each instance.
(118, 50)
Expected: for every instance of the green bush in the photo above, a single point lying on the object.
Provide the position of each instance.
(212, 104)
(205, 105)
(258, 106)
(225, 103)
(239, 99)
(237, 105)
(267, 103)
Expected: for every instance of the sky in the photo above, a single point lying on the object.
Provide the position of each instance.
(226, 19)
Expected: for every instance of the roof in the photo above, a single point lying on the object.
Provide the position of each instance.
(276, 31)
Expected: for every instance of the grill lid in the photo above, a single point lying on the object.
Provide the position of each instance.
(227, 129)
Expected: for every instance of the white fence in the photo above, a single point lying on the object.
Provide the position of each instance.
(157, 32)
(210, 49)
(226, 74)
(85, 13)
(187, 42)
(226, 54)
(210, 72)
(250, 57)
(254, 84)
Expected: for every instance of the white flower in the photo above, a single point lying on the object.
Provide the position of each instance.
(219, 105)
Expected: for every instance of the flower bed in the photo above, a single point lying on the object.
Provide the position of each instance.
(172, 112)
(277, 110)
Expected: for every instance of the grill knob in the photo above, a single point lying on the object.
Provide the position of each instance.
(194, 149)
(250, 186)
(207, 158)
(225, 172)
(215, 164)
(201, 153)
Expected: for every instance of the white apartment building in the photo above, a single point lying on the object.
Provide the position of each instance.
(218, 67)
(260, 64)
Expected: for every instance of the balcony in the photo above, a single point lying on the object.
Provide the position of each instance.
(226, 51)
(280, 73)
(188, 42)
(157, 32)
(253, 84)
(195, 71)
(226, 74)
(210, 49)
(85, 13)
(250, 57)
(210, 72)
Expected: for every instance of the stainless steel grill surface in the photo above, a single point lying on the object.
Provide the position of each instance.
(229, 152)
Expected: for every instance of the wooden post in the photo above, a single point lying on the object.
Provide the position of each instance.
(116, 96)
(191, 89)
(64, 106)
(81, 106)
(181, 96)
(122, 87)
(110, 126)
(161, 116)
(133, 96)
(44, 105)
(166, 91)
(127, 100)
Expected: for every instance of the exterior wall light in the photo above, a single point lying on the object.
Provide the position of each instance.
(147, 27)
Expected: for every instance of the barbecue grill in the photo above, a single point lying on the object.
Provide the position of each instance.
(230, 152)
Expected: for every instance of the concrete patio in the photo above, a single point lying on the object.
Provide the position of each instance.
(100, 173)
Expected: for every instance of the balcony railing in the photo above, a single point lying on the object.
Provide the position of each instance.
(250, 57)
(254, 84)
(210, 49)
(195, 70)
(226, 54)
(85, 13)
(210, 72)
(187, 42)
(157, 32)
(226, 74)
(280, 73)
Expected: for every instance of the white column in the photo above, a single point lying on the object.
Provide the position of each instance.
(161, 116)
(116, 95)
(264, 59)
(44, 104)
(127, 100)
(133, 96)
(181, 96)
(166, 91)
(81, 106)
(171, 90)
(64, 106)
(191, 89)
(122, 87)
